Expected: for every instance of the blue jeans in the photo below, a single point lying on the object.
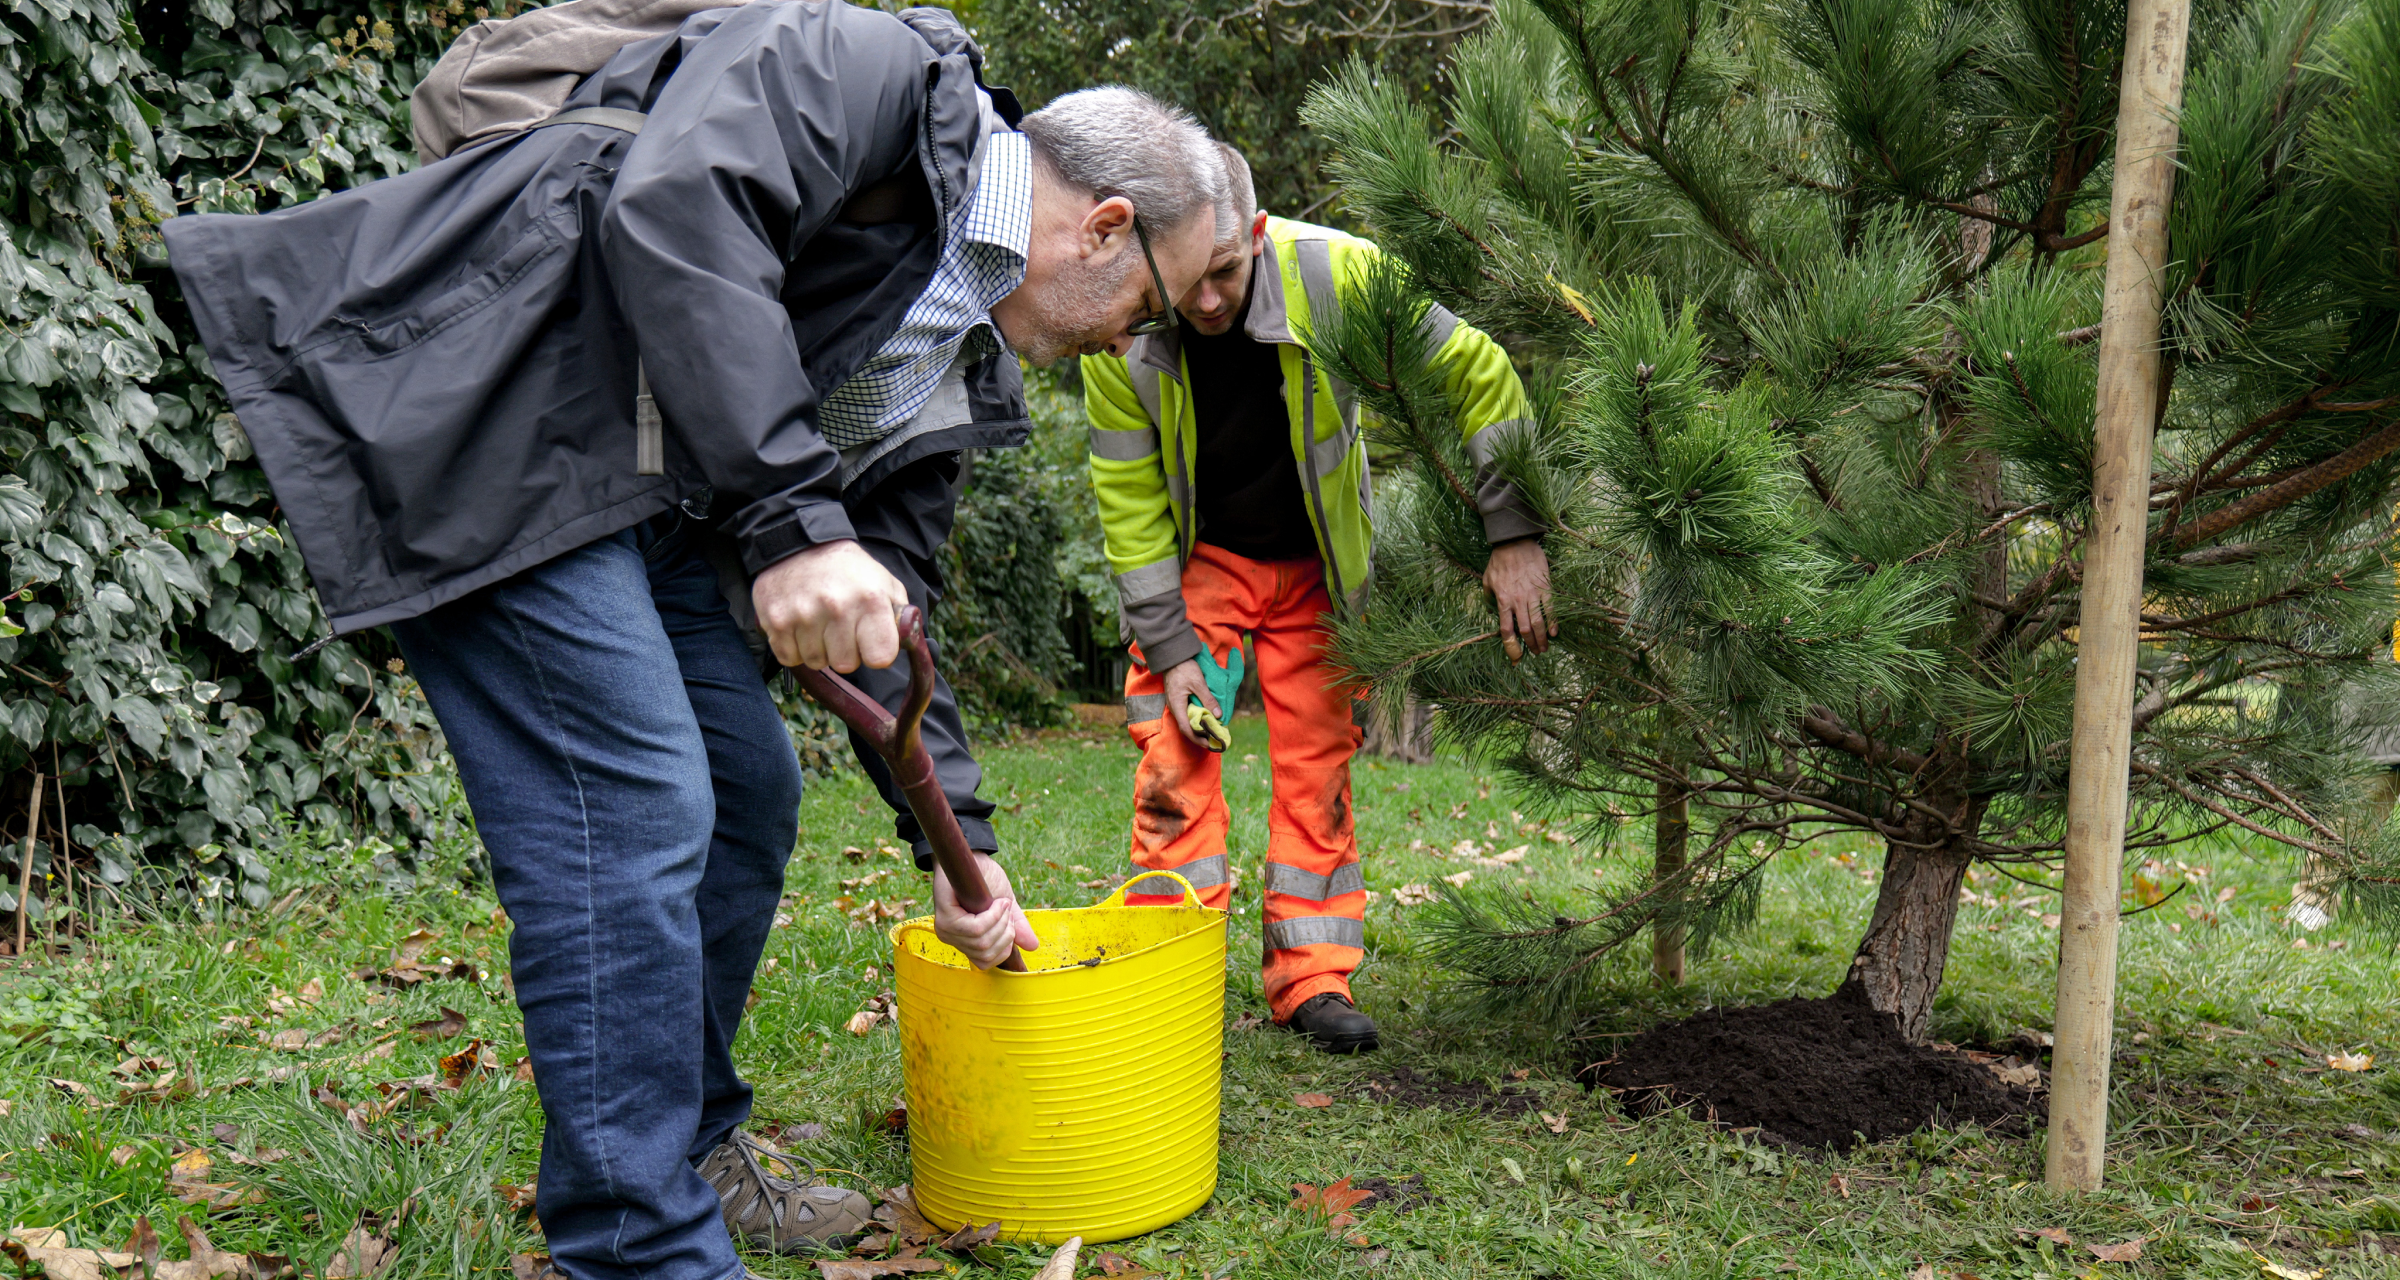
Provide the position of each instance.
(639, 796)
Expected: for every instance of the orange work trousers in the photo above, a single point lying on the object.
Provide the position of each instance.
(1315, 897)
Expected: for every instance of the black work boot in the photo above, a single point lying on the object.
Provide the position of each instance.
(1334, 1024)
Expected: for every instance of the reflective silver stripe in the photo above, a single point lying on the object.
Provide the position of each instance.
(1439, 323)
(1145, 387)
(1328, 454)
(606, 117)
(1316, 276)
(1203, 873)
(1142, 708)
(1156, 578)
(1302, 931)
(1124, 446)
(649, 430)
(1314, 887)
(1484, 445)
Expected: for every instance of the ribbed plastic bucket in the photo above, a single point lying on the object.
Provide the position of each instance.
(1078, 1098)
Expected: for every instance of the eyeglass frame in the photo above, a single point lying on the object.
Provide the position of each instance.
(1157, 321)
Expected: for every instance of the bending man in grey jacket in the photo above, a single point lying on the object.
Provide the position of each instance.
(824, 248)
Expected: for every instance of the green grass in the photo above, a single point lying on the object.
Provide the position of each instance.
(2231, 1145)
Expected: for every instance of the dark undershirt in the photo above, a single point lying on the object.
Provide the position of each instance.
(1247, 485)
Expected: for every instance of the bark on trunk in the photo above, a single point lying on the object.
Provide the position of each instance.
(1671, 834)
(1899, 963)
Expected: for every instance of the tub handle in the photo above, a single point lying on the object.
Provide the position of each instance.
(1191, 896)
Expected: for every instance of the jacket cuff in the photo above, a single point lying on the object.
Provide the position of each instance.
(980, 839)
(1510, 523)
(1172, 651)
(818, 521)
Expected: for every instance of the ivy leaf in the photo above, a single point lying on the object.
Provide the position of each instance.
(142, 721)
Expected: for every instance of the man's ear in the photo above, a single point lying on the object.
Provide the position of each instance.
(1258, 234)
(1107, 220)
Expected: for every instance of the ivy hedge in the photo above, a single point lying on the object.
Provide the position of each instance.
(156, 616)
(156, 611)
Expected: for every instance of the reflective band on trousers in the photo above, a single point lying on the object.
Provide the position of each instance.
(1316, 888)
(1302, 931)
(1201, 873)
(1143, 708)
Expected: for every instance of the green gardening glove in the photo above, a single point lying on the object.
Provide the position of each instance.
(1224, 680)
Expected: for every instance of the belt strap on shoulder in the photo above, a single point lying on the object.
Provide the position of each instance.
(605, 117)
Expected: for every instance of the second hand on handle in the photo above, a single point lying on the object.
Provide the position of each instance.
(902, 747)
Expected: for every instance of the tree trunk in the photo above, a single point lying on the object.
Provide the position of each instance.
(1899, 963)
(1671, 832)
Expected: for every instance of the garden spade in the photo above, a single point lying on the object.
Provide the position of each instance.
(902, 747)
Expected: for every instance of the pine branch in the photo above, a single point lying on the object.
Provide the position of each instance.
(2330, 471)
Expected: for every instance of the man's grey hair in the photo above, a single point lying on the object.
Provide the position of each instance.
(1241, 198)
(1116, 141)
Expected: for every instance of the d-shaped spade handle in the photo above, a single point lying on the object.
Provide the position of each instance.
(901, 743)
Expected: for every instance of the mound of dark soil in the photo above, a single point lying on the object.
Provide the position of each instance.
(1817, 1073)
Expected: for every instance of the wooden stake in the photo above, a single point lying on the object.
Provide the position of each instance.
(33, 828)
(2148, 102)
(1673, 829)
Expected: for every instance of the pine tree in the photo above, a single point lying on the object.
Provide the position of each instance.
(1807, 292)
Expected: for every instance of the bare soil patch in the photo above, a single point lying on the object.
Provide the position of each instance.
(1410, 1088)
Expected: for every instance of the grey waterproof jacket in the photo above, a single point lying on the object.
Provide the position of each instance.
(438, 370)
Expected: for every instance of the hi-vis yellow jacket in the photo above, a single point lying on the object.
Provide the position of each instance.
(1144, 438)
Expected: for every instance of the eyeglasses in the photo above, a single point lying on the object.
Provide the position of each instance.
(1157, 321)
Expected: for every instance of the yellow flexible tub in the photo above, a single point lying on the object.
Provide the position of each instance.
(1078, 1098)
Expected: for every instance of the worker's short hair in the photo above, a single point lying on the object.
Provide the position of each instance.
(1241, 197)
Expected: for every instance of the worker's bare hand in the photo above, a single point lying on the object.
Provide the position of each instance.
(830, 606)
(1519, 579)
(1184, 681)
(985, 938)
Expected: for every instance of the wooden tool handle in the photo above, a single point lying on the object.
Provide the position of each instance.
(901, 743)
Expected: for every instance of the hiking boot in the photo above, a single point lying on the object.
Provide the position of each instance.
(767, 1210)
(1334, 1024)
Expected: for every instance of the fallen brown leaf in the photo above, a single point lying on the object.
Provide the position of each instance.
(206, 1261)
(524, 1070)
(899, 1212)
(1332, 1202)
(533, 1266)
(477, 1057)
(968, 1239)
(2349, 1061)
(2129, 1251)
(1554, 1123)
(1924, 1271)
(122, 1154)
(442, 1028)
(862, 1022)
(1248, 1022)
(364, 1252)
(189, 1179)
(870, 1268)
(1839, 1182)
(44, 1251)
(1311, 1100)
(412, 947)
(144, 1242)
(1117, 1264)
(1061, 1265)
(2055, 1235)
(517, 1198)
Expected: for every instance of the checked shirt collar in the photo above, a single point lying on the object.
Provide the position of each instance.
(983, 263)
